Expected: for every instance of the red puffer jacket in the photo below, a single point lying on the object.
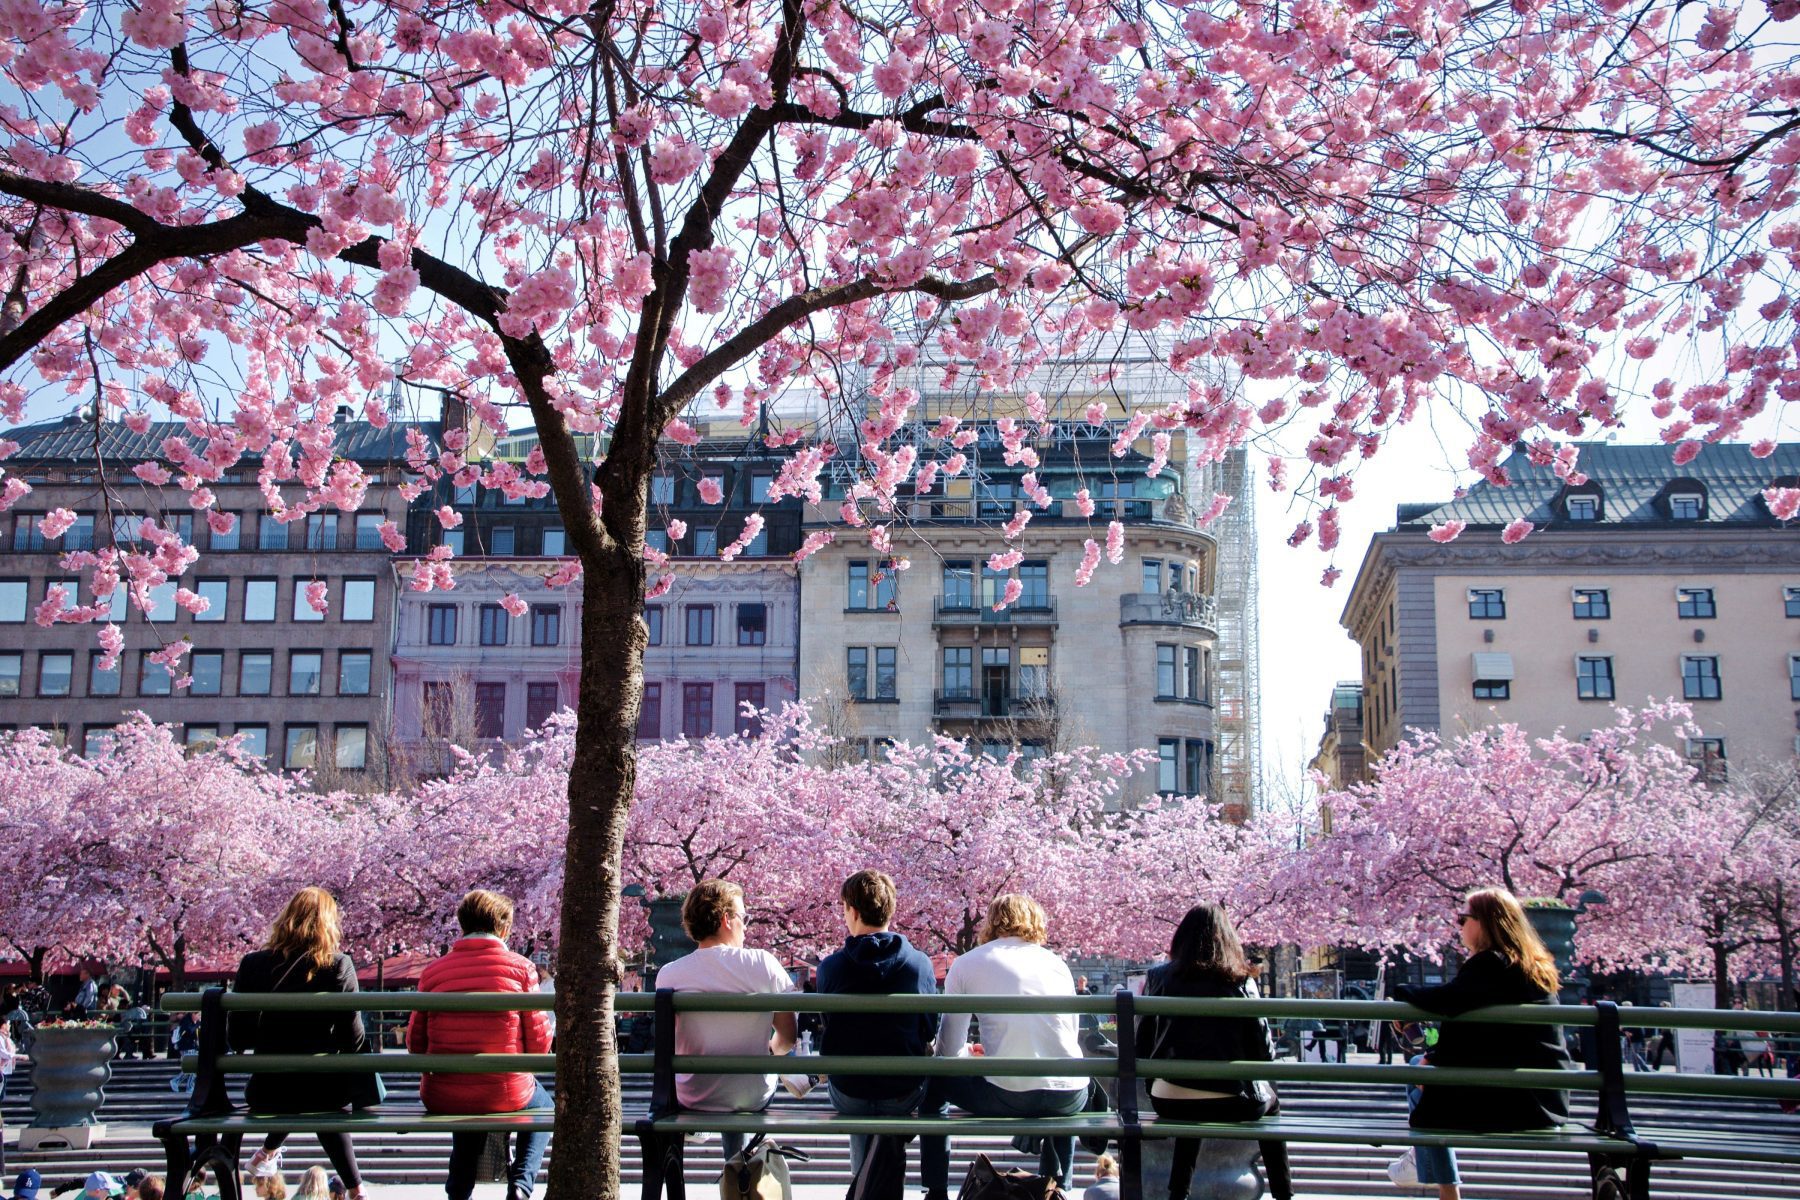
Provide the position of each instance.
(478, 964)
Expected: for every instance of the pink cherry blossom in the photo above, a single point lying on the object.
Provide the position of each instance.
(1516, 531)
(710, 490)
(1449, 531)
(513, 604)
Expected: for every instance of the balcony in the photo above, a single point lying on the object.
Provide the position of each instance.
(965, 704)
(953, 613)
(1185, 610)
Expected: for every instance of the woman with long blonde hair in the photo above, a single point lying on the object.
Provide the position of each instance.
(1507, 964)
(302, 954)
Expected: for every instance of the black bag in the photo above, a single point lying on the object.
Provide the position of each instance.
(987, 1182)
(367, 1090)
(493, 1161)
(883, 1173)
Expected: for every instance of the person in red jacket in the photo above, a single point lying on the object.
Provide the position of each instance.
(480, 962)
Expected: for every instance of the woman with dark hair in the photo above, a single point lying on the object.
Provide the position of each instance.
(1206, 959)
(1507, 964)
(301, 955)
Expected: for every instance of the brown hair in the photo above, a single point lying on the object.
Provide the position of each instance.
(150, 1187)
(482, 911)
(1106, 1167)
(308, 928)
(272, 1187)
(704, 911)
(1207, 945)
(873, 897)
(1014, 914)
(1508, 934)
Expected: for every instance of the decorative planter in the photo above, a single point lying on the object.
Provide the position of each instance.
(1555, 924)
(70, 1068)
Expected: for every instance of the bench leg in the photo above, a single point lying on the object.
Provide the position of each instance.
(651, 1147)
(663, 1166)
(175, 1161)
(1131, 1167)
(1619, 1178)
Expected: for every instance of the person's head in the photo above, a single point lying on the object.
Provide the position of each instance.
(271, 1187)
(314, 1185)
(336, 1187)
(133, 1179)
(86, 975)
(309, 927)
(1016, 915)
(482, 911)
(1081, 983)
(1105, 1167)
(869, 900)
(26, 1186)
(714, 912)
(150, 1188)
(101, 1185)
(1493, 919)
(1206, 944)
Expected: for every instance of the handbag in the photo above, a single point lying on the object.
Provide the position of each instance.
(367, 1090)
(760, 1171)
(987, 1182)
(883, 1173)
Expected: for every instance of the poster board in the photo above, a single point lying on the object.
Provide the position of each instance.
(1693, 1047)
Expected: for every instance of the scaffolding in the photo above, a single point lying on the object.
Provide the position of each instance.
(1239, 714)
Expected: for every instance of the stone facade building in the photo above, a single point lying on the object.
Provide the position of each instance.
(308, 689)
(1647, 581)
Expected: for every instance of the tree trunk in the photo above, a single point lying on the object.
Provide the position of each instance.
(1784, 943)
(601, 779)
(1721, 955)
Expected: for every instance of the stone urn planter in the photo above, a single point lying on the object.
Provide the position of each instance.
(70, 1067)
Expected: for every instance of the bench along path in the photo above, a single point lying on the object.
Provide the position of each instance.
(139, 1094)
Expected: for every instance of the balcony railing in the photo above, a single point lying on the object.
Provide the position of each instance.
(970, 705)
(1025, 612)
(1189, 610)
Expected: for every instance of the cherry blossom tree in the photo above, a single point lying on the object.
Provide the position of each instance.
(601, 214)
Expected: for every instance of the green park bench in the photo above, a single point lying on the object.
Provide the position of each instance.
(1620, 1153)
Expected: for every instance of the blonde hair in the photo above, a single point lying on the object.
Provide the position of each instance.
(1508, 934)
(1014, 914)
(309, 927)
(273, 1187)
(482, 911)
(704, 911)
(1106, 1167)
(314, 1185)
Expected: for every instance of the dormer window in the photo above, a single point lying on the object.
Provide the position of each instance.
(1686, 506)
(1584, 508)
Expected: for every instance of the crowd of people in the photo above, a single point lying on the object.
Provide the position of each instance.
(1506, 964)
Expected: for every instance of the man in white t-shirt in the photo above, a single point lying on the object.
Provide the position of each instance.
(713, 915)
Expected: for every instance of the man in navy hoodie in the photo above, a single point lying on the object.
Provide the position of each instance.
(875, 961)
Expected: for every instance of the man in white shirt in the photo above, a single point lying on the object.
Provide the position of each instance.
(713, 915)
(1011, 961)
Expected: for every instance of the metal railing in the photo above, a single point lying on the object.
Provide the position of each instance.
(1037, 611)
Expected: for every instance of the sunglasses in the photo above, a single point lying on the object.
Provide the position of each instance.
(1464, 918)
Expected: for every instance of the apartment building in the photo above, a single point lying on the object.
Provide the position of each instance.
(1646, 581)
(308, 689)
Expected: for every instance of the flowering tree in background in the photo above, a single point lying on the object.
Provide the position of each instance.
(602, 213)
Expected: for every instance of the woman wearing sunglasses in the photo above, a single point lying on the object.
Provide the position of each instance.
(1507, 964)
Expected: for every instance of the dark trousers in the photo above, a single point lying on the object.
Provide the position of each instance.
(1235, 1108)
(981, 1096)
(337, 1148)
(521, 1173)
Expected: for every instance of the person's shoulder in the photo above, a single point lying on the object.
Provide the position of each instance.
(771, 966)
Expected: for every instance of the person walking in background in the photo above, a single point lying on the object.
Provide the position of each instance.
(302, 955)
(1207, 960)
(1010, 961)
(875, 961)
(714, 916)
(87, 996)
(1507, 965)
(480, 962)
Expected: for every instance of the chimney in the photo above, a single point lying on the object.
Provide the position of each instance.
(343, 415)
(454, 412)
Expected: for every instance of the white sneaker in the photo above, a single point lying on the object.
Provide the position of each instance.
(265, 1164)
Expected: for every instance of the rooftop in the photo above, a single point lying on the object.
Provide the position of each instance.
(71, 440)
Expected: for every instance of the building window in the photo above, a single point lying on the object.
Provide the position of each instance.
(662, 489)
(699, 618)
(1686, 506)
(200, 737)
(959, 673)
(440, 625)
(368, 532)
(1190, 672)
(1699, 677)
(125, 534)
(1592, 604)
(706, 543)
(452, 538)
(270, 533)
(872, 587)
(1794, 676)
(490, 710)
(555, 542)
(259, 599)
(256, 671)
(351, 751)
(1193, 773)
(208, 670)
(1487, 604)
(696, 709)
(302, 752)
(653, 617)
(758, 546)
(80, 535)
(101, 681)
(15, 597)
(546, 624)
(959, 584)
(657, 539)
(501, 541)
(494, 621)
(1166, 682)
(884, 685)
(856, 672)
(359, 600)
(12, 668)
(759, 488)
(887, 673)
(254, 740)
(217, 594)
(1150, 583)
(1035, 576)
(321, 531)
(95, 739)
(437, 708)
(1695, 603)
(993, 586)
(231, 539)
(650, 713)
(1594, 678)
(1707, 755)
(752, 624)
(751, 696)
(1168, 765)
(1583, 508)
(304, 611)
(1493, 689)
(55, 674)
(1790, 600)
(541, 702)
(162, 603)
(1034, 673)
(353, 672)
(153, 678)
(181, 525)
(306, 669)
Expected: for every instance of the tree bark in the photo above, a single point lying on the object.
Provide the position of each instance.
(1721, 956)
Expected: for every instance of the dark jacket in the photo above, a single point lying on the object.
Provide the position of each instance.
(1206, 1039)
(1488, 979)
(878, 964)
(294, 1033)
